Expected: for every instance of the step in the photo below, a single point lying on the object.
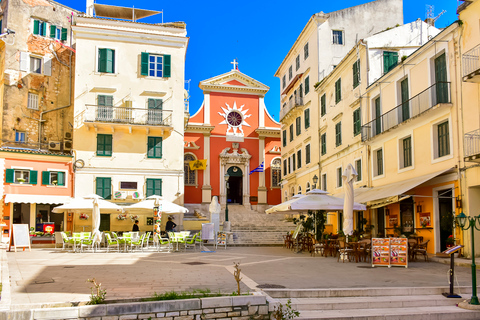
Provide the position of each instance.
(411, 313)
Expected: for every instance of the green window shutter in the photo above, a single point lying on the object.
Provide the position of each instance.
(158, 147)
(158, 186)
(64, 34)
(52, 31)
(155, 147)
(356, 73)
(150, 188)
(151, 145)
(101, 100)
(151, 103)
(46, 178)
(298, 125)
(323, 101)
(99, 187)
(359, 170)
(144, 64)
(167, 66)
(307, 118)
(307, 84)
(110, 59)
(44, 28)
(107, 188)
(33, 176)
(299, 159)
(36, 27)
(357, 123)
(10, 176)
(307, 154)
(291, 132)
(108, 145)
(109, 101)
(104, 145)
(102, 60)
(379, 162)
(61, 178)
(284, 138)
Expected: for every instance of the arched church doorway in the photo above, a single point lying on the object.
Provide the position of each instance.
(235, 185)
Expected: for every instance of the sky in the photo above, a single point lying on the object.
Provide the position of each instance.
(258, 34)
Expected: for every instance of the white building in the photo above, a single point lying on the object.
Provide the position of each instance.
(129, 108)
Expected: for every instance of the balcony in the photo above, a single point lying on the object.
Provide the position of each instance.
(471, 143)
(426, 100)
(471, 65)
(291, 104)
(95, 115)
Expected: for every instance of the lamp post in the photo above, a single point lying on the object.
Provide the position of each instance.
(315, 180)
(227, 176)
(472, 224)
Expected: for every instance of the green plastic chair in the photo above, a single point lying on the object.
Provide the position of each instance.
(87, 243)
(138, 243)
(190, 242)
(147, 239)
(164, 243)
(67, 242)
(112, 243)
(127, 238)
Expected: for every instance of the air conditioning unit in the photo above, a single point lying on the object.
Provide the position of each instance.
(136, 195)
(67, 145)
(54, 145)
(68, 136)
(120, 195)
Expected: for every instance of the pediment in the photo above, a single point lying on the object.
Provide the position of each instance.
(233, 81)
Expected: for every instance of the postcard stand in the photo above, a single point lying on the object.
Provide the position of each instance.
(451, 251)
(208, 233)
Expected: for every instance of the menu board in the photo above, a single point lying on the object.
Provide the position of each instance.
(380, 252)
(399, 252)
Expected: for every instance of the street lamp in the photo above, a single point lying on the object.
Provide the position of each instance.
(472, 224)
(227, 176)
(315, 180)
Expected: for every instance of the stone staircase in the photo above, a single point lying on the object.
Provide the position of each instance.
(374, 303)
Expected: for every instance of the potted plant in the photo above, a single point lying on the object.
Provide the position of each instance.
(83, 216)
(450, 241)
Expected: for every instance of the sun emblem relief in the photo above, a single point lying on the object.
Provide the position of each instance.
(234, 118)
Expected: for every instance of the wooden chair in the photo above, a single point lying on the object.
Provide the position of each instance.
(422, 249)
(412, 244)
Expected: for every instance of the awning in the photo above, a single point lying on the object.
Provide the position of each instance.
(384, 195)
(36, 198)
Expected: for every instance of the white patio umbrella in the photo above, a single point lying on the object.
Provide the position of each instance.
(97, 236)
(348, 176)
(156, 201)
(86, 204)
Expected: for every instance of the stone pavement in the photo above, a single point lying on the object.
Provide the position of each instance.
(47, 276)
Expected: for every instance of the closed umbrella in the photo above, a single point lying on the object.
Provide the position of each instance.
(97, 236)
(348, 176)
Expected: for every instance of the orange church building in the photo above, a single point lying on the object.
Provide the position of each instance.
(235, 135)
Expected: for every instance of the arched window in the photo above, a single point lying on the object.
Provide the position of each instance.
(299, 189)
(276, 166)
(292, 191)
(308, 187)
(190, 176)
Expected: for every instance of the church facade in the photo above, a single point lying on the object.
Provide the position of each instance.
(231, 135)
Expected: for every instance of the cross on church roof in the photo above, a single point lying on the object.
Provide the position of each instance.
(235, 64)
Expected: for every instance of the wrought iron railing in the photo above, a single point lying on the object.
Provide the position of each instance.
(471, 61)
(125, 115)
(471, 142)
(292, 103)
(427, 99)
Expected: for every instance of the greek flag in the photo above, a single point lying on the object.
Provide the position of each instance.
(258, 169)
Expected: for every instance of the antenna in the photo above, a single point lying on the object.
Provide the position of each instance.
(429, 9)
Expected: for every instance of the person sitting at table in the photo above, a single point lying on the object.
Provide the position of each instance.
(135, 226)
(170, 226)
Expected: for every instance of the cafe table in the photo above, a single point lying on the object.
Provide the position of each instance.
(178, 237)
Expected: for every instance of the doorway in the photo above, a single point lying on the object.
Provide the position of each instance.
(381, 222)
(445, 216)
(21, 213)
(406, 216)
(104, 222)
(235, 186)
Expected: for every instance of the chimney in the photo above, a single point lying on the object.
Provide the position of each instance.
(430, 21)
(90, 8)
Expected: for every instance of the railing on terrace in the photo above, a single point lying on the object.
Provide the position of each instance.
(292, 103)
(125, 115)
(471, 142)
(427, 99)
(471, 60)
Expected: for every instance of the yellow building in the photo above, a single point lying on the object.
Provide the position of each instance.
(469, 40)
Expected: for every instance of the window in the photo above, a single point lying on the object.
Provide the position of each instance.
(323, 103)
(291, 132)
(324, 182)
(323, 139)
(155, 65)
(305, 51)
(58, 33)
(289, 165)
(284, 81)
(154, 187)
(128, 185)
(35, 65)
(337, 36)
(298, 123)
(106, 60)
(154, 147)
(306, 114)
(53, 178)
(39, 27)
(338, 90)
(297, 63)
(307, 85)
(338, 134)
(104, 187)
(358, 168)
(356, 73)
(276, 172)
(441, 79)
(443, 139)
(284, 135)
(32, 101)
(299, 159)
(21, 176)
(189, 174)
(307, 187)
(293, 162)
(307, 154)
(290, 73)
(357, 122)
(339, 177)
(299, 189)
(378, 114)
(285, 167)
(20, 136)
(105, 108)
(378, 162)
(405, 110)
(406, 153)
(155, 111)
(104, 145)
(390, 60)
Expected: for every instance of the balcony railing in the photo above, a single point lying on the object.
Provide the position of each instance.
(125, 115)
(292, 103)
(471, 143)
(471, 61)
(427, 99)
